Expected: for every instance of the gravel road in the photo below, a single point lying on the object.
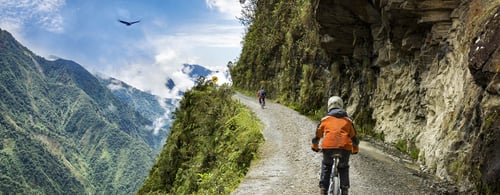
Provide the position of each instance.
(288, 166)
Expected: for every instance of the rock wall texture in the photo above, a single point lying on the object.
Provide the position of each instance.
(429, 71)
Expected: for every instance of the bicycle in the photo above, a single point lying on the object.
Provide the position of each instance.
(262, 102)
(334, 188)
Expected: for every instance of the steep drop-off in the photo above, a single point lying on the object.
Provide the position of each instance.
(420, 74)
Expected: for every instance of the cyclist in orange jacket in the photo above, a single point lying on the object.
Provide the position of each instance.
(339, 137)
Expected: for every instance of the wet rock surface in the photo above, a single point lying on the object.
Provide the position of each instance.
(484, 54)
(288, 166)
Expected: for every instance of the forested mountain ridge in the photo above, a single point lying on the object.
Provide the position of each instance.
(421, 75)
(210, 146)
(62, 132)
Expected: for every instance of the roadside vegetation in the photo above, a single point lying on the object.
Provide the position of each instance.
(211, 144)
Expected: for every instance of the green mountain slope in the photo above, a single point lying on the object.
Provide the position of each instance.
(64, 133)
(210, 145)
(148, 105)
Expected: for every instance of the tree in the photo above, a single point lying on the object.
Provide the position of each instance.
(247, 12)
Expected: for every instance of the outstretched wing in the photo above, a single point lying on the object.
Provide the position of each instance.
(128, 23)
(124, 22)
(135, 22)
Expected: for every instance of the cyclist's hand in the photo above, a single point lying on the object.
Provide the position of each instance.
(355, 149)
(315, 147)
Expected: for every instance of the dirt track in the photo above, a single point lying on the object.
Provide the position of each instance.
(288, 166)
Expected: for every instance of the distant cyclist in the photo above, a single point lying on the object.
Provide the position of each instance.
(261, 94)
(339, 137)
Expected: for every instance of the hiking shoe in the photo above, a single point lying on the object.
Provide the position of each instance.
(322, 191)
(344, 191)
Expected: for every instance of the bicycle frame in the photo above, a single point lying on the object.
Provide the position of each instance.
(334, 188)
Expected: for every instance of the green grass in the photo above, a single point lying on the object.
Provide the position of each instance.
(407, 148)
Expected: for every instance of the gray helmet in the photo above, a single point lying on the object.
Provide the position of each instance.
(335, 102)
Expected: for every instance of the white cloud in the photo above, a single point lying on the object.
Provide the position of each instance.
(208, 36)
(115, 85)
(230, 8)
(45, 13)
(47, 6)
(13, 25)
(52, 23)
(165, 56)
(200, 46)
(160, 122)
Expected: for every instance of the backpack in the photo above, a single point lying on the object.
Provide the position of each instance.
(262, 93)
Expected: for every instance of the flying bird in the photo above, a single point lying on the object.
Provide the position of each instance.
(128, 23)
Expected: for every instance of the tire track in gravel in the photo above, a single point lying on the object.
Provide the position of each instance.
(288, 166)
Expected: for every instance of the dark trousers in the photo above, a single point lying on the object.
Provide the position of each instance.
(343, 167)
(262, 100)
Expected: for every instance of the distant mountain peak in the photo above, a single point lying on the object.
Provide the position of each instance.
(195, 70)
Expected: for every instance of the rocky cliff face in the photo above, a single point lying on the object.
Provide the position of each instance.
(428, 72)
(422, 75)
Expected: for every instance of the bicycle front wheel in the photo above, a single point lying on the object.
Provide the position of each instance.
(334, 188)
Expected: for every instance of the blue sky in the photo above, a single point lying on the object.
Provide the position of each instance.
(169, 34)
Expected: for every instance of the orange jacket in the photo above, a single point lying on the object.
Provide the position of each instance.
(337, 132)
